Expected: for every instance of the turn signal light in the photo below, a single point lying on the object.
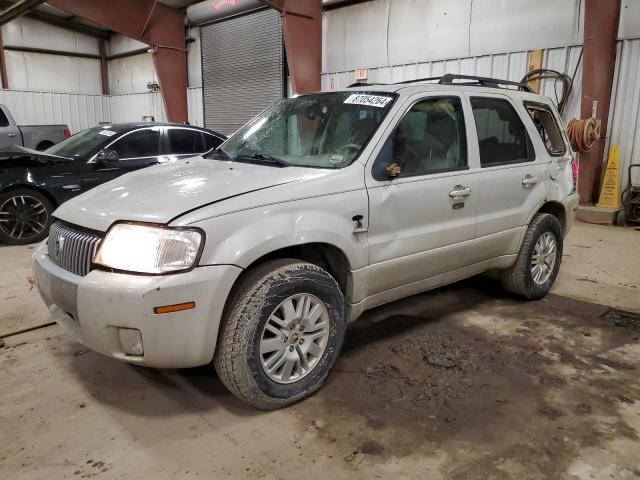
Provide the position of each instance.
(179, 307)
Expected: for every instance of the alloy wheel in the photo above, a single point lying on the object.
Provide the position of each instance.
(544, 258)
(23, 217)
(294, 338)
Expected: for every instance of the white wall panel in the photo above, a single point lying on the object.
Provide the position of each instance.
(131, 74)
(499, 25)
(133, 107)
(25, 32)
(399, 32)
(629, 26)
(194, 60)
(624, 124)
(76, 110)
(196, 113)
(427, 29)
(55, 73)
(356, 37)
(121, 44)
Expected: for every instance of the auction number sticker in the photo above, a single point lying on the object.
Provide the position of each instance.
(107, 133)
(368, 100)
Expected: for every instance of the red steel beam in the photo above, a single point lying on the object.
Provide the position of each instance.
(302, 29)
(151, 22)
(3, 65)
(599, 55)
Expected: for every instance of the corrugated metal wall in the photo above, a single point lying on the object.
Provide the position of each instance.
(133, 107)
(624, 123)
(79, 111)
(512, 66)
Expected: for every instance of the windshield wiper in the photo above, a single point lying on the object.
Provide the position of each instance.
(263, 158)
(219, 151)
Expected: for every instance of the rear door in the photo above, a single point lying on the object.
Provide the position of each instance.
(513, 174)
(422, 220)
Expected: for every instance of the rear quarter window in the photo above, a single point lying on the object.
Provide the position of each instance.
(547, 126)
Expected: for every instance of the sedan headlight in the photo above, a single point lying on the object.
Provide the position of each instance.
(149, 249)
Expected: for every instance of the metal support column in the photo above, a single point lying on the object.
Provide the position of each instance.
(151, 22)
(599, 53)
(302, 28)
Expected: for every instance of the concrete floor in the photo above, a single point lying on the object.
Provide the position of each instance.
(463, 382)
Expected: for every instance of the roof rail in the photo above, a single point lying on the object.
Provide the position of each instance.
(449, 78)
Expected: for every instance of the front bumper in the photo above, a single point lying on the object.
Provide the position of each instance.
(94, 308)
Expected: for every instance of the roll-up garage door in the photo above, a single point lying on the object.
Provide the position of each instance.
(242, 68)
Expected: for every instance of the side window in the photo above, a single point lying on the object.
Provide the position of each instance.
(430, 138)
(183, 141)
(547, 127)
(4, 121)
(143, 143)
(501, 134)
(211, 141)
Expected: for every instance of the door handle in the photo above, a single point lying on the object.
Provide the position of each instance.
(529, 180)
(460, 191)
(12, 134)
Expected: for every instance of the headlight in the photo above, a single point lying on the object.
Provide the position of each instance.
(149, 249)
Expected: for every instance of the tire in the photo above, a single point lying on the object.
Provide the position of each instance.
(239, 359)
(25, 216)
(519, 278)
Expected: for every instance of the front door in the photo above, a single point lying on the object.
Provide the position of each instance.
(423, 195)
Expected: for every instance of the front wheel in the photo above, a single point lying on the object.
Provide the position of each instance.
(282, 333)
(25, 216)
(538, 261)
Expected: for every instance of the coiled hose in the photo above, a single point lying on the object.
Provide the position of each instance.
(583, 133)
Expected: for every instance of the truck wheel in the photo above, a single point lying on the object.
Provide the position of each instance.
(282, 333)
(538, 261)
(25, 216)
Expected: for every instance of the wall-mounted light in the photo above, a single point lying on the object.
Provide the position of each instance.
(153, 86)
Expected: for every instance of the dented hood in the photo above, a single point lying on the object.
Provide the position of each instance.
(161, 193)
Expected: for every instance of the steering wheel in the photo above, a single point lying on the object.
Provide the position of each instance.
(351, 146)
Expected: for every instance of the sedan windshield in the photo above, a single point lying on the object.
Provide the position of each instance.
(84, 142)
(325, 130)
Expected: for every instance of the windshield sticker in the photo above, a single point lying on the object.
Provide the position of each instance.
(107, 133)
(368, 100)
(336, 159)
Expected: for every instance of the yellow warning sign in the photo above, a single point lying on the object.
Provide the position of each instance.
(610, 192)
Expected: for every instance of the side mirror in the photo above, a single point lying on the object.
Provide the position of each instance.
(107, 156)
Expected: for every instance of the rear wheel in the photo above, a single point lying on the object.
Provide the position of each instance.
(538, 261)
(25, 216)
(282, 333)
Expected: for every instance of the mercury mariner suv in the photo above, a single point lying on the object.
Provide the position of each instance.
(258, 254)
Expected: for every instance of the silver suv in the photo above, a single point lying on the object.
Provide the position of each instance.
(258, 254)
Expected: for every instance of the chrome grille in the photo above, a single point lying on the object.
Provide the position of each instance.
(72, 249)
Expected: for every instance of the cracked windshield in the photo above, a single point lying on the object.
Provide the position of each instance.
(326, 130)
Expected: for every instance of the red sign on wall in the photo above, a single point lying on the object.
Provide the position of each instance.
(362, 74)
(224, 3)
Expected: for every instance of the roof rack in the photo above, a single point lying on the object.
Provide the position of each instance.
(449, 78)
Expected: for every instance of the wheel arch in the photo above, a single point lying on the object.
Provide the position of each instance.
(557, 210)
(321, 254)
(44, 144)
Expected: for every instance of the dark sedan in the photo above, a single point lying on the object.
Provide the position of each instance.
(33, 184)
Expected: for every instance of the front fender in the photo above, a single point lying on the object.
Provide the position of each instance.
(240, 238)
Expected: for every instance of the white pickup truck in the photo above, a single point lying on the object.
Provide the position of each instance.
(37, 137)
